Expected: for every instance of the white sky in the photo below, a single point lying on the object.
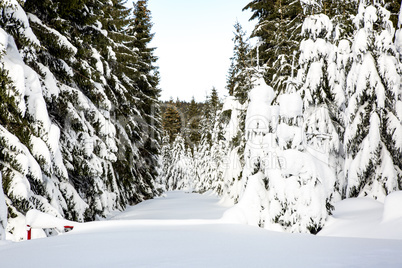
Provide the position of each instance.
(194, 44)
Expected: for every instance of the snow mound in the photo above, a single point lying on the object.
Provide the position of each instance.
(392, 207)
(355, 207)
(366, 218)
(37, 219)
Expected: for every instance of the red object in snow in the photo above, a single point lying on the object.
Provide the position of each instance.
(29, 230)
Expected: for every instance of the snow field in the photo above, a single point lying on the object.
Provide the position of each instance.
(185, 230)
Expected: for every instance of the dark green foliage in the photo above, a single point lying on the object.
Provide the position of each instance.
(13, 26)
(12, 120)
(193, 125)
(210, 116)
(172, 122)
(239, 76)
(10, 116)
(191, 114)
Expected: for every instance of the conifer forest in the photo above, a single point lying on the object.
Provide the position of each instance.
(311, 118)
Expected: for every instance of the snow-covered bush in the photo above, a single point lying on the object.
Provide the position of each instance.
(392, 204)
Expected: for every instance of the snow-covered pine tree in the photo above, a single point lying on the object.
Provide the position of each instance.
(165, 160)
(233, 115)
(219, 157)
(61, 61)
(250, 191)
(209, 152)
(178, 162)
(234, 141)
(278, 28)
(209, 116)
(283, 188)
(322, 93)
(372, 138)
(180, 172)
(202, 166)
(239, 78)
(146, 83)
(34, 175)
(78, 138)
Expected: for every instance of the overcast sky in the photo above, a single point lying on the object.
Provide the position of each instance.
(194, 44)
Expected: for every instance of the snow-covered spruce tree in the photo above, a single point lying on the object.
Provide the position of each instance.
(285, 187)
(209, 161)
(34, 175)
(180, 172)
(219, 157)
(205, 168)
(372, 137)
(146, 83)
(239, 78)
(202, 166)
(165, 160)
(322, 91)
(278, 28)
(79, 134)
(177, 162)
(230, 78)
(234, 141)
(57, 60)
(233, 115)
(252, 206)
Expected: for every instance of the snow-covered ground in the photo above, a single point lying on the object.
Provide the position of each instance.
(175, 205)
(185, 230)
(366, 218)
